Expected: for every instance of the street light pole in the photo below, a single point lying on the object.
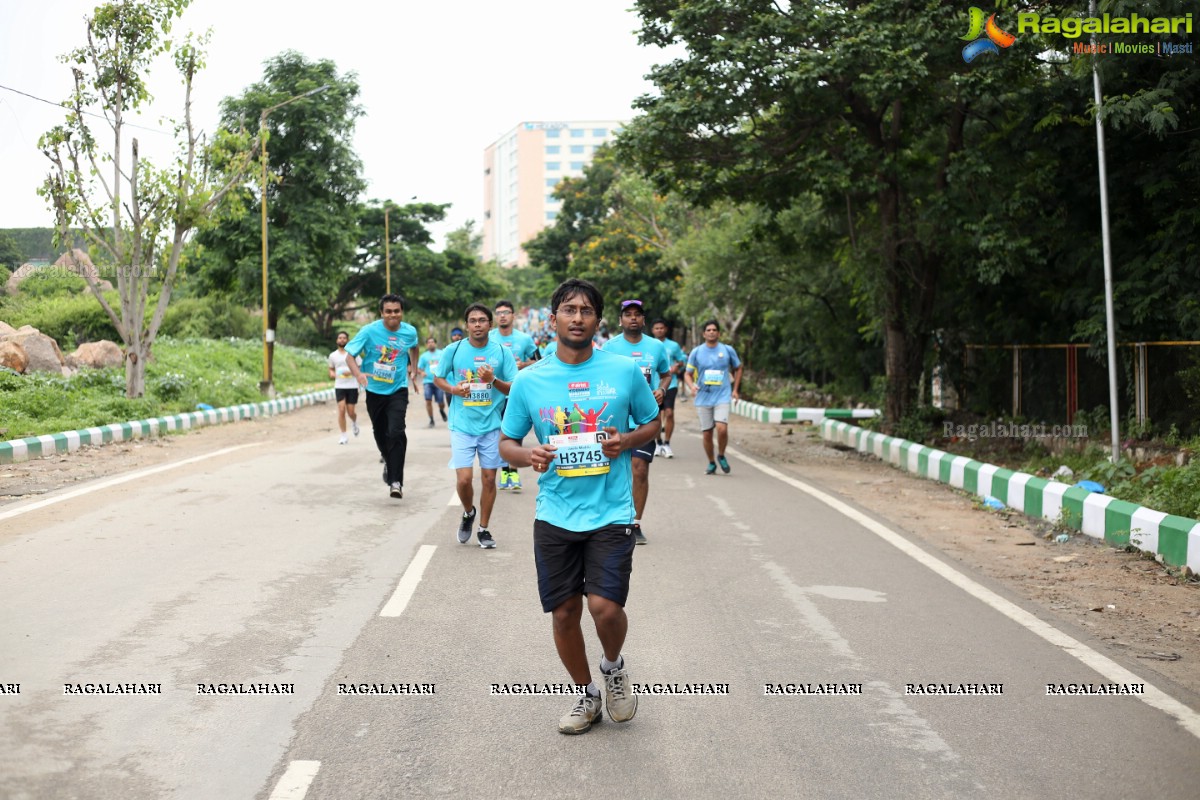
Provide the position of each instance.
(387, 251)
(266, 386)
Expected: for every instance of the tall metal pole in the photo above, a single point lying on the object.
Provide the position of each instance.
(265, 386)
(1109, 315)
(387, 251)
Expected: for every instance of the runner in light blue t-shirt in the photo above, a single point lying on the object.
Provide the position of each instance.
(389, 362)
(678, 360)
(714, 374)
(579, 405)
(428, 365)
(651, 358)
(476, 372)
(525, 353)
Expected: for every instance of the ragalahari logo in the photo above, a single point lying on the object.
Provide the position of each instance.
(984, 37)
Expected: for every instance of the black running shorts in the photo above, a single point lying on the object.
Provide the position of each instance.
(349, 395)
(571, 563)
(669, 398)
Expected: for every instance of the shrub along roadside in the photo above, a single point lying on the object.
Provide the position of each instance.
(184, 372)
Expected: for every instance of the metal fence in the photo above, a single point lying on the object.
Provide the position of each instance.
(1158, 383)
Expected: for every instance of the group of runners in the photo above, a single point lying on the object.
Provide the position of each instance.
(598, 418)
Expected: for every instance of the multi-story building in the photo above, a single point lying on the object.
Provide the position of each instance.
(520, 172)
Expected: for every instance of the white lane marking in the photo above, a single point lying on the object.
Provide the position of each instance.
(908, 728)
(1114, 672)
(408, 582)
(454, 501)
(132, 476)
(294, 783)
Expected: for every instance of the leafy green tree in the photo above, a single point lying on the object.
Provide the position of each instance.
(10, 253)
(137, 217)
(859, 104)
(311, 195)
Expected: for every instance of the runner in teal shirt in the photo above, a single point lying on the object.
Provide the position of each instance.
(389, 361)
(428, 365)
(579, 405)
(525, 353)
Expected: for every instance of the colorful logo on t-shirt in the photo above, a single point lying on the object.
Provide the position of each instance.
(559, 420)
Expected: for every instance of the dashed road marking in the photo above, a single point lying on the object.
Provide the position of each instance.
(408, 582)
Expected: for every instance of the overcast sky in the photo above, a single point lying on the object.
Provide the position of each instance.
(439, 81)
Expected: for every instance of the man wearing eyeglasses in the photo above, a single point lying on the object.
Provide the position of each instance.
(389, 352)
(651, 357)
(524, 352)
(476, 373)
(583, 405)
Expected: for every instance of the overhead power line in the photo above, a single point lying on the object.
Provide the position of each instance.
(88, 113)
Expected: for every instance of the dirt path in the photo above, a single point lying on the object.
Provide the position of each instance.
(1131, 604)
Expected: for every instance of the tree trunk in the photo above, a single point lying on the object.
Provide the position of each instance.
(272, 325)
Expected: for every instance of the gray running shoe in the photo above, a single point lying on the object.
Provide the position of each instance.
(580, 718)
(464, 527)
(638, 536)
(485, 539)
(666, 450)
(618, 693)
(396, 490)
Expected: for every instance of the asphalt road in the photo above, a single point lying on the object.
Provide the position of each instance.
(269, 567)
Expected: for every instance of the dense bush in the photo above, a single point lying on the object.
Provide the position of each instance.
(212, 317)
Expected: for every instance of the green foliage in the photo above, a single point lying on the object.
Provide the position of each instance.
(920, 424)
(69, 319)
(182, 374)
(210, 317)
(1177, 491)
(10, 253)
(52, 283)
(311, 195)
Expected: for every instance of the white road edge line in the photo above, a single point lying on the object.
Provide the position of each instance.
(454, 501)
(132, 476)
(294, 783)
(408, 582)
(1114, 672)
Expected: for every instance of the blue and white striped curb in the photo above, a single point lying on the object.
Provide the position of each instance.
(814, 415)
(16, 450)
(1176, 539)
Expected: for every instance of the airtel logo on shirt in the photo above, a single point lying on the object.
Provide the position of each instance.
(576, 385)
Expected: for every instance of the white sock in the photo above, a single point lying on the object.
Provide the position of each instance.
(593, 690)
(609, 666)
(637, 523)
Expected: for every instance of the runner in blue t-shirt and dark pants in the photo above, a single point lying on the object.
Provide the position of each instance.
(389, 363)
(581, 406)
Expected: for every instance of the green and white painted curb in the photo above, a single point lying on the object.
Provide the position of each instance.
(1176, 539)
(814, 415)
(44, 446)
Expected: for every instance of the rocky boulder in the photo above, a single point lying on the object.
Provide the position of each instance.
(12, 356)
(6, 329)
(97, 355)
(41, 351)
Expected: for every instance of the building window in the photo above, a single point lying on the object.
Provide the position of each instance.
(551, 200)
(576, 133)
(552, 133)
(576, 165)
(551, 216)
(595, 150)
(552, 182)
(553, 149)
(599, 133)
(551, 166)
(576, 149)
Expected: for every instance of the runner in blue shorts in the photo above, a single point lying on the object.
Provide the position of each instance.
(581, 405)
(427, 364)
(476, 372)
